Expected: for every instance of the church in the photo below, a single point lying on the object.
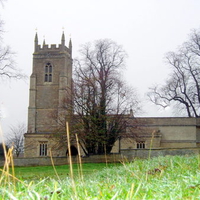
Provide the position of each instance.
(50, 85)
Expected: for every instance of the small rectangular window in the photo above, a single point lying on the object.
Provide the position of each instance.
(43, 148)
(140, 145)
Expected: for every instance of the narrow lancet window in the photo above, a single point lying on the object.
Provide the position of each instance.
(48, 73)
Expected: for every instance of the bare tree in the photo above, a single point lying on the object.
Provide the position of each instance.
(15, 138)
(8, 67)
(182, 89)
(1, 2)
(101, 98)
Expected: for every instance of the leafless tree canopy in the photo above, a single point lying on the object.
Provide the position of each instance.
(1, 2)
(8, 67)
(101, 97)
(183, 86)
(15, 138)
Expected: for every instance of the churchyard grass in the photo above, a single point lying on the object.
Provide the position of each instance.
(39, 172)
(169, 177)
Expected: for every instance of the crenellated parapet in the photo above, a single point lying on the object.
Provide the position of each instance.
(45, 48)
(51, 47)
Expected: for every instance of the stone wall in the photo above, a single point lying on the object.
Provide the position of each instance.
(38, 161)
(32, 145)
(124, 156)
(157, 133)
(146, 153)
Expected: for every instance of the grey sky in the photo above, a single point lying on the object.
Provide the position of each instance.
(147, 29)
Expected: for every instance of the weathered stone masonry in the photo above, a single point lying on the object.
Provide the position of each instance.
(50, 83)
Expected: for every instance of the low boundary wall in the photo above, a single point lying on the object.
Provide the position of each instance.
(45, 161)
(124, 156)
(130, 154)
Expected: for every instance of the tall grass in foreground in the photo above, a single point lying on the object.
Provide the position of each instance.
(170, 177)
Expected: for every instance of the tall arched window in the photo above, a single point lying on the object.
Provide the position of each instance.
(48, 72)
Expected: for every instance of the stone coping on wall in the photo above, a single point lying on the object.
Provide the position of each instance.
(148, 153)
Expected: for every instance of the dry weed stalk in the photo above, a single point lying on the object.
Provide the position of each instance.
(79, 157)
(70, 160)
(8, 178)
(69, 151)
(151, 144)
(52, 162)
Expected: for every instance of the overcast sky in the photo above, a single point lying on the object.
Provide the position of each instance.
(147, 29)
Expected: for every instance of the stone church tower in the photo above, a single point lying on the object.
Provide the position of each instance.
(49, 97)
